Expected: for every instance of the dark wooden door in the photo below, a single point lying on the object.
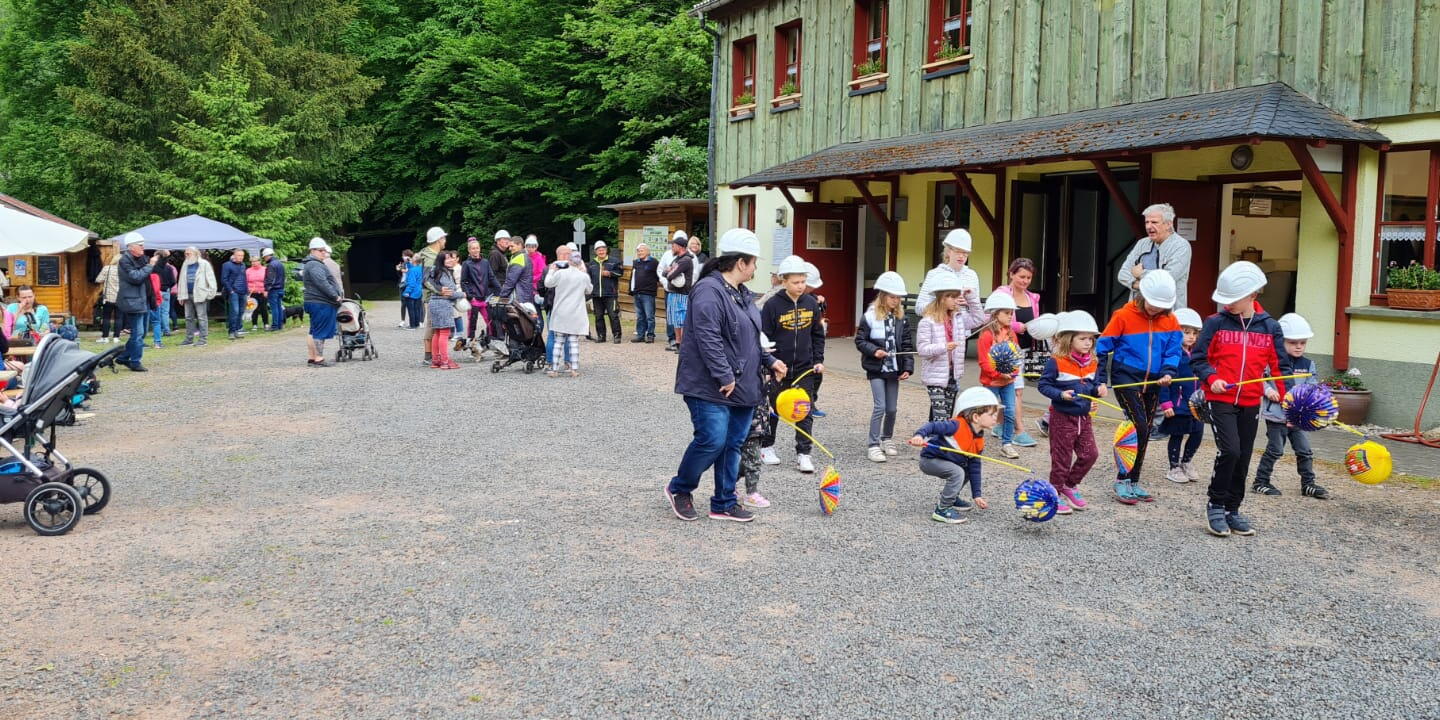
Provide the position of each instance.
(833, 249)
(1199, 201)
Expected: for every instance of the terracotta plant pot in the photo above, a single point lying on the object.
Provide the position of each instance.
(1413, 299)
(1354, 405)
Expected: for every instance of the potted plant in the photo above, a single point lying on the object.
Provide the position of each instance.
(1413, 287)
(946, 56)
(1350, 394)
(744, 105)
(869, 74)
(788, 95)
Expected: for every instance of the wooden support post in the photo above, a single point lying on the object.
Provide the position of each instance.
(999, 274)
(1132, 216)
(885, 222)
(1146, 176)
(785, 191)
(978, 203)
(1312, 173)
(893, 256)
(1345, 265)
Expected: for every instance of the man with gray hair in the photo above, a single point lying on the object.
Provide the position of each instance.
(1161, 248)
(644, 283)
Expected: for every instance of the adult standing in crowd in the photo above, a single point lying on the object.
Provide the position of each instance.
(678, 278)
(414, 289)
(322, 299)
(434, 243)
(402, 269)
(195, 290)
(478, 283)
(605, 280)
(499, 264)
(1027, 306)
(562, 255)
(697, 253)
(662, 273)
(233, 287)
(1161, 248)
(136, 297)
(255, 283)
(957, 246)
(567, 285)
(275, 288)
(168, 277)
(719, 376)
(644, 283)
(109, 282)
(30, 320)
(334, 267)
(537, 259)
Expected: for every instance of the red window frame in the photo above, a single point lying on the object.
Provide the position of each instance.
(1432, 205)
(872, 39)
(745, 211)
(942, 24)
(788, 37)
(743, 67)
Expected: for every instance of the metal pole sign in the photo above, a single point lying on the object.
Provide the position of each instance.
(579, 235)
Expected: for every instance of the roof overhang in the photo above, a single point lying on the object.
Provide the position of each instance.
(1252, 114)
(652, 204)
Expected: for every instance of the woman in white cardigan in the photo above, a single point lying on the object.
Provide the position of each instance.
(568, 319)
(194, 290)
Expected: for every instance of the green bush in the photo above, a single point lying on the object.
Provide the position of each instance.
(1412, 277)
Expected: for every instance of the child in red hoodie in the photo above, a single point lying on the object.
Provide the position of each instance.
(1241, 342)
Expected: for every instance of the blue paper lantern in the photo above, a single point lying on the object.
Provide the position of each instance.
(1036, 500)
(1006, 357)
(1310, 407)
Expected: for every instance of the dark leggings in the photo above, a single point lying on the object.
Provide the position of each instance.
(261, 316)
(1139, 406)
(109, 320)
(1186, 434)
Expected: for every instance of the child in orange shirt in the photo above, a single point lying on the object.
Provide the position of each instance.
(1001, 307)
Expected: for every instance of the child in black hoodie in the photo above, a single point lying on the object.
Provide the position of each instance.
(792, 320)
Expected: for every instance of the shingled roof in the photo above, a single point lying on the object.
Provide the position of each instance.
(1273, 111)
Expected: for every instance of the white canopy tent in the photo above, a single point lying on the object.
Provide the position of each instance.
(25, 234)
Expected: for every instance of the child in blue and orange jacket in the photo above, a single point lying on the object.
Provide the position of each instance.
(977, 410)
(1239, 343)
(1184, 430)
(1070, 373)
(1142, 342)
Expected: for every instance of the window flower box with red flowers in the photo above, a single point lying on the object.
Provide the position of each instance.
(869, 74)
(1413, 287)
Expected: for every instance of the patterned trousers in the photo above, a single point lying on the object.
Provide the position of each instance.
(942, 400)
(567, 350)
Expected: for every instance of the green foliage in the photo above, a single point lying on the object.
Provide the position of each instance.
(1349, 380)
(789, 88)
(1412, 277)
(673, 169)
(950, 52)
(745, 98)
(869, 67)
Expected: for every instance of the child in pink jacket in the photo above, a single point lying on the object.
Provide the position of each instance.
(940, 341)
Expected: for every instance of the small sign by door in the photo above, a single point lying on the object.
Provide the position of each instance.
(1187, 227)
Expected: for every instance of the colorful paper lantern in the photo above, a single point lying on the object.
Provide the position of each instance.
(1310, 407)
(1006, 357)
(1369, 462)
(1127, 446)
(1036, 500)
(830, 486)
(1199, 406)
(793, 404)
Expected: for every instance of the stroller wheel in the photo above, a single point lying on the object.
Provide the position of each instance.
(529, 367)
(53, 508)
(496, 367)
(92, 486)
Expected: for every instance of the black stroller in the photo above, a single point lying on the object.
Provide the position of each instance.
(353, 325)
(55, 494)
(524, 339)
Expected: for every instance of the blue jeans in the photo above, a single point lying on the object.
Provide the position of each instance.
(1006, 393)
(234, 311)
(277, 309)
(159, 317)
(135, 346)
(669, 321)
(720, 430)
(644, 316)
(549, 339)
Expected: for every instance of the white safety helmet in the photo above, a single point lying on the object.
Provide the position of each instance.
(959, 238)
(133, 238)
(1294, 327)
(600, 244)
(532, 241)
(434, 234)
(1043, 327)
(891, 282)
(812, 276)
(793, 265)
(946, 282)
(1238, 280)
(319, 244)
(500, 234)
(1188, 318)
(679, 235)
(1076, 321)
(1158, 289)
(1000, 301)
(975, 397)
(267, 252)
(739, 241)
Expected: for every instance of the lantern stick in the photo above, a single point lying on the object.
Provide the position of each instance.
(1150, 382)
(1110, 405)
(980, 457)
(808, 436)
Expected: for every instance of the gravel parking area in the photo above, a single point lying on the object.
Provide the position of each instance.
(378, 540)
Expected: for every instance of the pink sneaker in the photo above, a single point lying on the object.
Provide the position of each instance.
(754, 500)
(1062, 507)
(1072, 495)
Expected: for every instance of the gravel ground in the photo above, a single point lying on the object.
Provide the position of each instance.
(377, 540)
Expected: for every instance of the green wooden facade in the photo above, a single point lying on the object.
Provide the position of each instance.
(1365, 58)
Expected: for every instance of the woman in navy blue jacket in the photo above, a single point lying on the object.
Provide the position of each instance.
(719, 377)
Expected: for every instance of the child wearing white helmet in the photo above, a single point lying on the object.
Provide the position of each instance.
(940, 340)
(998, 332)
(1141, 344)
(792, 320)
(978, 410)
(1185, 431)
(1241, 342)
(953, 268)
(1297, 333)
(1070, 373)
(762, 424)
(881, 338)
(813, 283)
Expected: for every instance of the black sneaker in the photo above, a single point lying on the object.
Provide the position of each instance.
(617, 340)
(650, 338)
(637, 340)
(1215, 516)
(735, 513)
(1315, 491)
(137, 367)
(1265, 488)
(681, 504)
(1238, 524)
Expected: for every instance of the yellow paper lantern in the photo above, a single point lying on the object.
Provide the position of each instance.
(1369, 462)
(793, 404)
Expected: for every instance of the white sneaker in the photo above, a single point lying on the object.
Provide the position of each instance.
(877, 454)
(804, 462)
(1190, 472)
(889, 448)
(400, 325)
(1177, 475)
(1009, 451)
(754, 500)
(768, 456)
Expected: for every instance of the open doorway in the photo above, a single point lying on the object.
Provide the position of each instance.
(1260, 222)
